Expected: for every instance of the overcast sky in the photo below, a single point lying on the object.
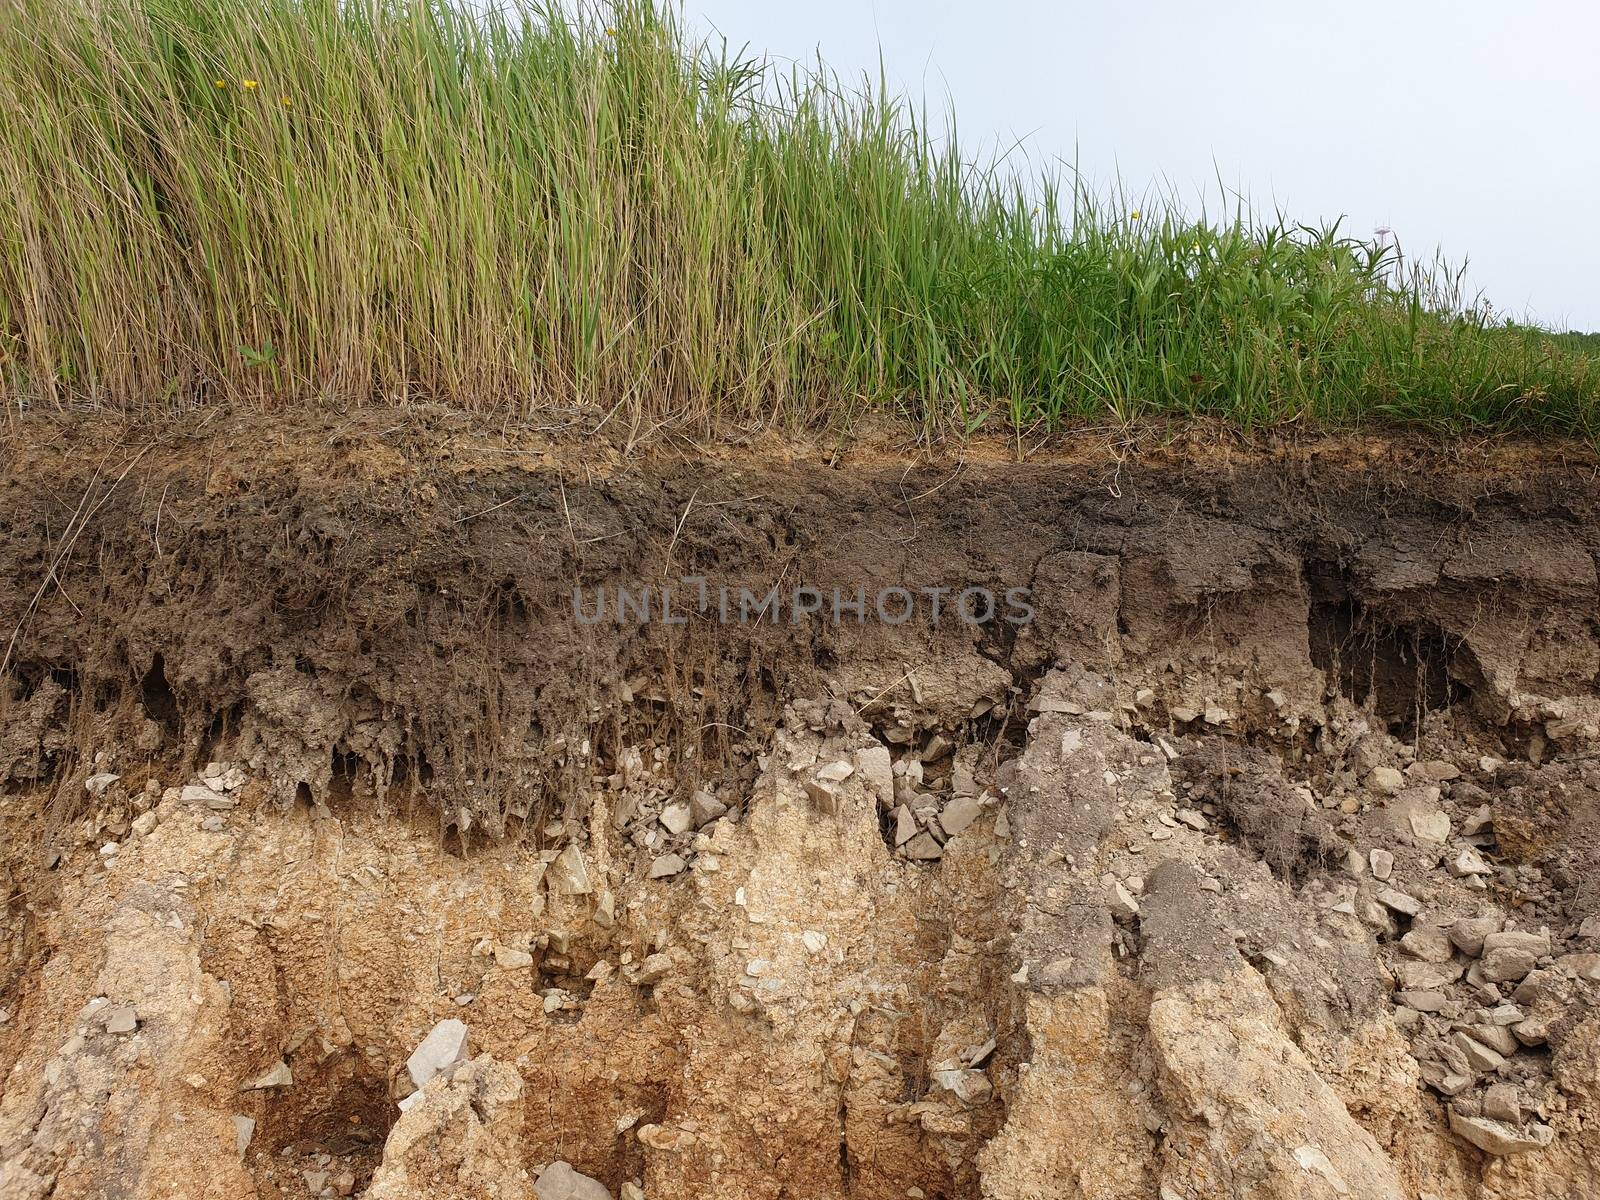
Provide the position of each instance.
(1467, 125)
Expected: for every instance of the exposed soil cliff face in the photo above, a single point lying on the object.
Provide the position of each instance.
(1258, 863)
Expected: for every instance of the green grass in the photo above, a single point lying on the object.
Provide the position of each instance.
(291, 202)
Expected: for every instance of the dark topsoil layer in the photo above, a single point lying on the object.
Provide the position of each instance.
(387, 596)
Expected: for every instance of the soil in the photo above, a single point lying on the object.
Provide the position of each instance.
(1258, 863)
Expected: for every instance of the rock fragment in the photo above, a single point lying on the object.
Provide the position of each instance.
(1534, 1031)
(1427, 942)
(1498, 1038)
(1469, 933)
(1510, 955)
(1448, 1083)
(1313, 1161)
(960, 813)
(1481, 1057)
(905, 826)
(836, 772)
(667, 866)
(198, 793)
(275, 1076)
(1536, 944)
(1498, 1137)
(1431, 826)
(970, 1086)
(461, 1137)
(1435, 770)
(877, 772)
(677, 818)
(121, 1018)
(654, 968)
(1467, 862)
(1502, 1103)
(1425, 1002)
(443, 1048)
(1121, 902)
(568, 875)
(559, 1181)
(511, 959)
(1386, 781)
(962, 781)
(1399, 902)
(1533, 988)
(1426, 976)
(823, 796)
(706, 808)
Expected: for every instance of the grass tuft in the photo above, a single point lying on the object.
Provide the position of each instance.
(364, 201)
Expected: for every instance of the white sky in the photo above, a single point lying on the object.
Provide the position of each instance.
(1467, 125)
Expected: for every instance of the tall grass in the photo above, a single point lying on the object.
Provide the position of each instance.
(367, 201)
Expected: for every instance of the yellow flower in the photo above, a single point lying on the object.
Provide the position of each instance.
(287, 102)
(222, 83)
(1135, 215)
(249, 84)
(610, 32)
